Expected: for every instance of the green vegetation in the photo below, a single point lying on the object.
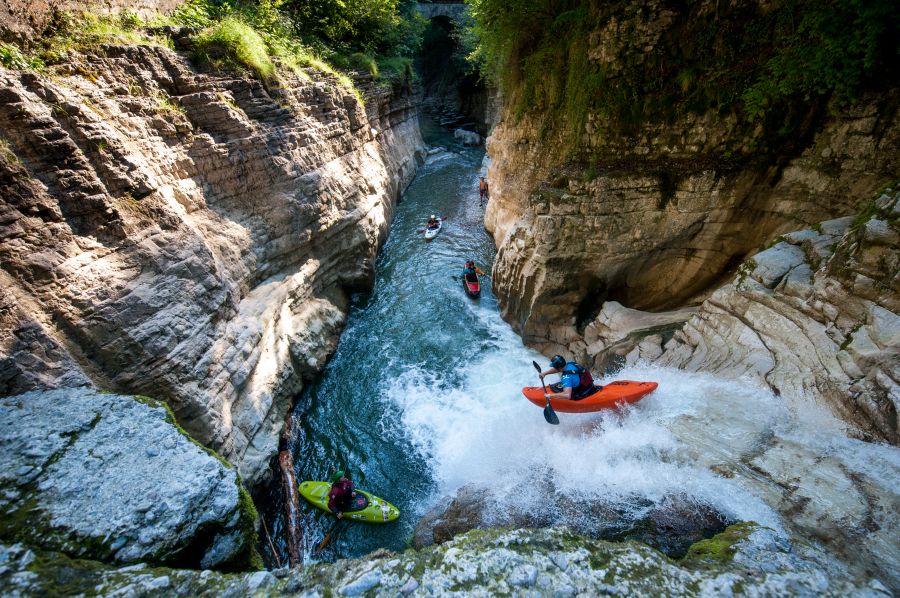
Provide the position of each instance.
(373, 27)
(720, 549)
(345, 35)
(7, 154)
(264, 37)
(779, 66)
(236, 41)
(86, 30)
(13, 58)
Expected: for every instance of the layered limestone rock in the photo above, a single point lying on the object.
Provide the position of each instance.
(621, 336)
(656, 217)
(110, 478)
(814, 317)
(745, 559)
(26, 19)
(192, 236)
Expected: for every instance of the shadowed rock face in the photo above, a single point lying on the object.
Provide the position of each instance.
(670, 527)
(188, 236)
(814, 317)
(656, 242)
(108, 477)
(657, 217)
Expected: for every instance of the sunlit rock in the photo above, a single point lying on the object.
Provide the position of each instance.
(814, 317)
(746, 559)
(190, 236)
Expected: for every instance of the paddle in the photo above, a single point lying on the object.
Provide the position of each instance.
(327, 536)
(549, 414)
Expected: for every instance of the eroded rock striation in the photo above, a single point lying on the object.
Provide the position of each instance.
(551, 562)
(814, 317)
(109, 477)
(190, 236)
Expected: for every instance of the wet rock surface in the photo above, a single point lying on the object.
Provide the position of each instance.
(815, 318)
(109, 477)
(670, 526)
(554, 562)
(190, 235)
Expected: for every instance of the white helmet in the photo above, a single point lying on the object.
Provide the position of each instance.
(432, 216)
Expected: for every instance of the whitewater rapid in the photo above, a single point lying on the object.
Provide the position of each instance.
(423, 397)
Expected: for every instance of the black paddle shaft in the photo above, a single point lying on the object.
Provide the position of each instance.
(549, 413)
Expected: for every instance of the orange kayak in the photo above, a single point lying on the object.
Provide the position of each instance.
(622, 391)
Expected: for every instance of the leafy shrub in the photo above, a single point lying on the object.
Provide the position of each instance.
(364, 62)
(780, 64)
(231, 40)
(12, 58)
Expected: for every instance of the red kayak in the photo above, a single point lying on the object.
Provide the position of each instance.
(606, 397)
(472, 285)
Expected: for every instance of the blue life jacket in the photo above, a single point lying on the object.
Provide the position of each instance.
(585, 380)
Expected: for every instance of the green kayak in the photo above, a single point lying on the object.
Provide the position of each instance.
(367, 508)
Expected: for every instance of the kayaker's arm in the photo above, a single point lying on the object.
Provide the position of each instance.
(548, 372)
(565, 394)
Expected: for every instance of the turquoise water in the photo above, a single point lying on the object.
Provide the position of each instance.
(417, 324)
(423, 396)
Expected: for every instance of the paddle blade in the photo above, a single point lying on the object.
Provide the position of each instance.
(550, 415)
(327, 537)
(536, 366)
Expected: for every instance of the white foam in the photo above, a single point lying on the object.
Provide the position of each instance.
(483, 432)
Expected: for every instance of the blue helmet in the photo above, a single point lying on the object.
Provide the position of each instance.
(558, 362)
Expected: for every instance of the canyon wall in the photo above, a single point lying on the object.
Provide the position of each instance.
(657, 213)
(815, 318)
(655, 241)
(26, 19)
(190, 236)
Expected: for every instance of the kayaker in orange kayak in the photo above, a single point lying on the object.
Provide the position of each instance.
(576, 381)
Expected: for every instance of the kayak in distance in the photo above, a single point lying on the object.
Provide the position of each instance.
(472, 285)
(608, 396)
(367, 508)
(432, 231)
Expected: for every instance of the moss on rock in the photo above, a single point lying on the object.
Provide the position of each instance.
(720, 549)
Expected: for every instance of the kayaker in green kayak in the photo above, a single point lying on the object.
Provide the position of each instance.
(341, 495)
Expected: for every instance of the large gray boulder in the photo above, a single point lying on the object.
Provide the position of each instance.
(111, 478)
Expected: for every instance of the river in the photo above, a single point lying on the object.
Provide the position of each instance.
(423, 397)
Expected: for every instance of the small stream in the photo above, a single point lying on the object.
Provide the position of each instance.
(422, 397)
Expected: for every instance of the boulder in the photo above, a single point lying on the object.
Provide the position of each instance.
(670, 526)
(112, 478)
(467, 137)
(622, 336)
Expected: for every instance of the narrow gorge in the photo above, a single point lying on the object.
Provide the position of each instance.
(213, 271)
